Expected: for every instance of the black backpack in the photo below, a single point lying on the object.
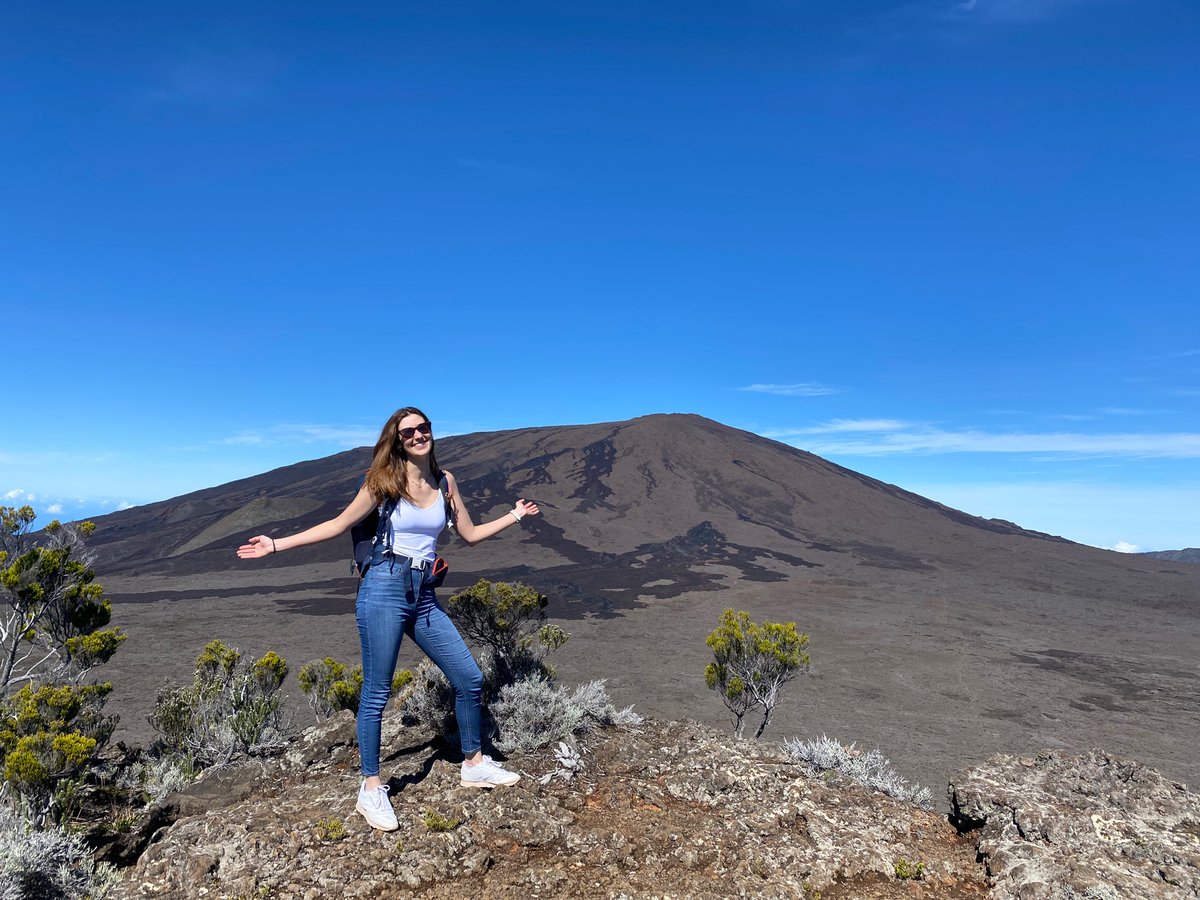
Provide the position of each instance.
(367, 533)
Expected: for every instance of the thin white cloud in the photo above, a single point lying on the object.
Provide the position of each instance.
(336, 435)
(1013, 11)
(801, 389)
(19, 494)
(1132, 411)
(509, 171)
(217, 80)
(54, 508)
(925, 440)
(843, 426)
(1125, 547)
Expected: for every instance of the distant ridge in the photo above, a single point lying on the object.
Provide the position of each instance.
(1188, 555)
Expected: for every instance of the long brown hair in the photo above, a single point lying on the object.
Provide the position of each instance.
(387, 476)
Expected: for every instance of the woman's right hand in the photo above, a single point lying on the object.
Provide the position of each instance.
(256, 547)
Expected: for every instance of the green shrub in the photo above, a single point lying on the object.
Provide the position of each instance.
(232, 707)
(528, 709)
(509, 622)
(331, 686)
(49, 735)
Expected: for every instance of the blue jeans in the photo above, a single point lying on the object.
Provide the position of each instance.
(394, 599)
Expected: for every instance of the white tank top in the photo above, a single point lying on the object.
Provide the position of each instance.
(415, 530)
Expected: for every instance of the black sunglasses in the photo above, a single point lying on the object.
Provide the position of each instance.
(406, 434)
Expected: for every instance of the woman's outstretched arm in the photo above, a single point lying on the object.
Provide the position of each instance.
(262, 545)
(472, 533)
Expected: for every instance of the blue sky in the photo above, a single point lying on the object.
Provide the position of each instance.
(948, 244)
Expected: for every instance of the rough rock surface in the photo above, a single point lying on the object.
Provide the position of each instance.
(1063, 826)
(664, 810)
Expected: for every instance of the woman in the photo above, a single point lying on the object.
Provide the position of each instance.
(396, 598)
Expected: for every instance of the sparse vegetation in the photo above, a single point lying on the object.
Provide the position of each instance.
(907, 871)
(232, 706)
(332, 829)
(435, 821)
(752, 663)
(824, 756)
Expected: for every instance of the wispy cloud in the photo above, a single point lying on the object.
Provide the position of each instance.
(512, 173)
(886, 437)
(802, 389)
(1131, 411)
(20, 495)
(843, 426)
(336, 435)
(1125, 547)
(1015, 11)
(217, 80)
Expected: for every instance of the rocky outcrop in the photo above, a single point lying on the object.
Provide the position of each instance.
(665, 810)
(1064, 826)
(669, 810)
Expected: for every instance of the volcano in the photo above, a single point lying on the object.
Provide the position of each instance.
(938, 636)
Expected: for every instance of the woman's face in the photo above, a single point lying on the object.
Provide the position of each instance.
(415, 435)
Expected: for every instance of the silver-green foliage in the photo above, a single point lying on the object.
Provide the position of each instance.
(535, 712)
(49, 863)
(568, 763)
(869, 768)
(157, 773)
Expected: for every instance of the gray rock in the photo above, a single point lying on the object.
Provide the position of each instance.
(1061, 826)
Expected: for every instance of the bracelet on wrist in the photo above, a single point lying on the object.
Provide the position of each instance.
(516, 515)
(272, 540)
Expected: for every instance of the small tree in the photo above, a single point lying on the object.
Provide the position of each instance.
(52, 613)
(52, 634)
(752, 664)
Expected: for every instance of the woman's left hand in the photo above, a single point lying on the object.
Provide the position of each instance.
(525, 508)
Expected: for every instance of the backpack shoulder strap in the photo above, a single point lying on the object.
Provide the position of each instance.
(385, 518)
(444, 484)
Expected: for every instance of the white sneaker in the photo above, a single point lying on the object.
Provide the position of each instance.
(487, 774)
(376, 808)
